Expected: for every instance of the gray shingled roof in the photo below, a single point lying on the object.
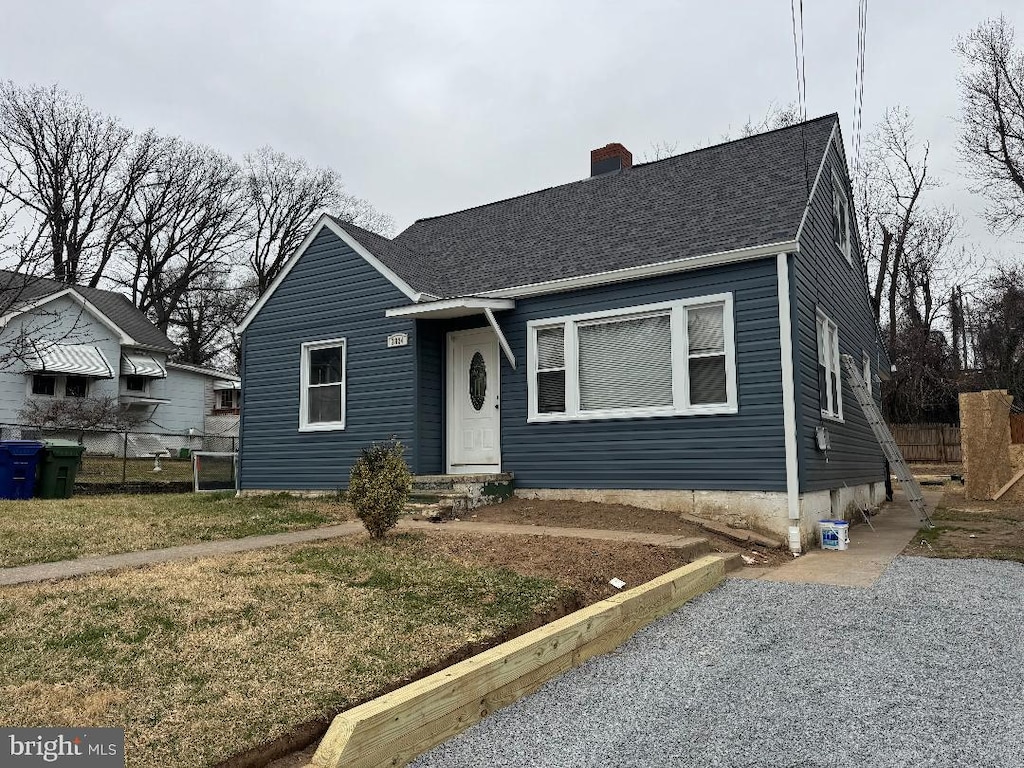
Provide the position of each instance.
(17, 289)
(415, 269)
(740, 194)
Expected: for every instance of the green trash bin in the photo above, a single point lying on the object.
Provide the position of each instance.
(61, 460)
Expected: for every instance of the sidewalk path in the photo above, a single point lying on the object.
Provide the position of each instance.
(66, 569)
(870, 552)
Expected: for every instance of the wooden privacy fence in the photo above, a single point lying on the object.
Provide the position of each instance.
(1017, 428)
(931, 443)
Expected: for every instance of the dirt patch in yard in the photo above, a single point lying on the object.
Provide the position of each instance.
(582, 565)
(584, 514)
(614, 517)
(966, 528)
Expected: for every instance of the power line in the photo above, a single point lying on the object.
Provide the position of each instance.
(803, 69)
(798, 57)
(858, 85)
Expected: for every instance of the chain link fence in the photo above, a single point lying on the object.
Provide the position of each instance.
(130, 461)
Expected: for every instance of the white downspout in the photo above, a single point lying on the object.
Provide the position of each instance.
(789, 403)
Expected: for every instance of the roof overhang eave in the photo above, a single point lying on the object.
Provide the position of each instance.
(644, 271)
(444, 309)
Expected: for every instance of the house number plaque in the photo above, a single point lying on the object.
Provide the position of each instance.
(398, 340)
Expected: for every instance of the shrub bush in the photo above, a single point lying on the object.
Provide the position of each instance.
(379, 486)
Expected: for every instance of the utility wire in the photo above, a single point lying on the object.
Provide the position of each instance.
(798, 56)
(803, 69)
(858, 86)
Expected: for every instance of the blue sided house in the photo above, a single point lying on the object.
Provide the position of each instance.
(666, 335)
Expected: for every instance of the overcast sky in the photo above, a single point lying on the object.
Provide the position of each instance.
(429, 107)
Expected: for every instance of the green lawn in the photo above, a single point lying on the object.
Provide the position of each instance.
(44, 530)
(200, 660)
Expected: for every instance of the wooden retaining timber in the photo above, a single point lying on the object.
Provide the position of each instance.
(397, 727)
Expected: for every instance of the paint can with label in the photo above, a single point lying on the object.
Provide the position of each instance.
(828, 535)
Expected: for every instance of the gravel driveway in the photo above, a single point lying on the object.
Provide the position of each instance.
(926, 668)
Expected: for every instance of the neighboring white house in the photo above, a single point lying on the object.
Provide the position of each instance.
(64, 341)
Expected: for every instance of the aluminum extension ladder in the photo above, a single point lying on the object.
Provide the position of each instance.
(885, 439)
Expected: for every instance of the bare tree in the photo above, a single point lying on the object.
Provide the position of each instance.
(72, 170)
(185, 221)
(992, 118)
(204, 321)
(893, 177)
(996, 322)
(776, 117)
(286, 195)
(80, 414)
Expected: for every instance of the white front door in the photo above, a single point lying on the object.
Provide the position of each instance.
(474, 417)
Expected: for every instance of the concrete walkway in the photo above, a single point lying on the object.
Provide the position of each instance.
(870, 552)
(67, 569)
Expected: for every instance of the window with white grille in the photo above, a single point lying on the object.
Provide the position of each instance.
(322, 391)
(830, 382)
(550, 345)
(673, 358)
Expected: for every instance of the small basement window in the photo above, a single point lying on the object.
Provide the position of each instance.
(76, 386)
(322, 386)
(44, 385)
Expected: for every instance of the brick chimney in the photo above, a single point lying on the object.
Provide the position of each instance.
(610, 157)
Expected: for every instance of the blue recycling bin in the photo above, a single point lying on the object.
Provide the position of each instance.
(19, 460)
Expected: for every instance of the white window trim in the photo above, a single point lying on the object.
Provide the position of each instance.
(220, 399)
(321, 426)
(123, 385)
(822, 324)
(839, 190)
(866, 369)
(680, 362)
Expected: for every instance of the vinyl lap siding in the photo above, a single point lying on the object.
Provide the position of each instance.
(744, 451)
(330, 293)
(823, 278)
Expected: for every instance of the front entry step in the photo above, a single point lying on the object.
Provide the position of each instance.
(448, 482)
(443, 497)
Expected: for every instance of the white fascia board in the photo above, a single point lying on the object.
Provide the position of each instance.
(817, 179)
(373, 261)
(76, 297)
(644, 271)
(428, 308)
(123, 337)
(33, 305)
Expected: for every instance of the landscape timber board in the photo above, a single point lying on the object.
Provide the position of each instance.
(394, 729)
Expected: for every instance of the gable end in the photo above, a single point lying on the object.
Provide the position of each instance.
(325, 222)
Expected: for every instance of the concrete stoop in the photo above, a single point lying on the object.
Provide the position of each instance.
(444, 497)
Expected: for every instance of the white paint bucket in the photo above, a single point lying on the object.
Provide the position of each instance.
(843, 530)
(828, 536)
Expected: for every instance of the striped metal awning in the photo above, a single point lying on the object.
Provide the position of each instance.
(74, 359)
(136, 364)
(222, 385)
